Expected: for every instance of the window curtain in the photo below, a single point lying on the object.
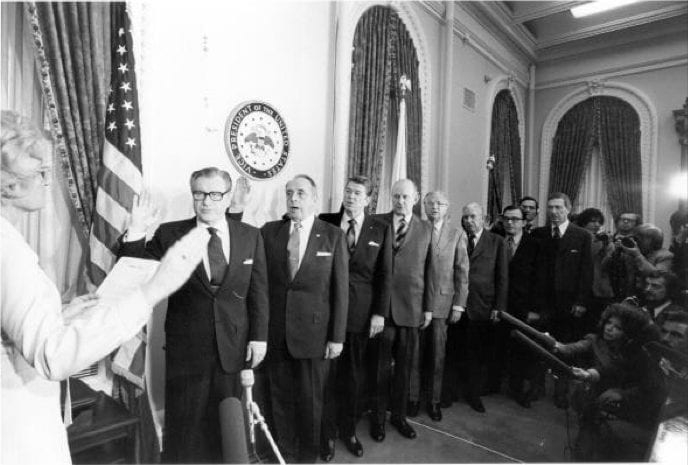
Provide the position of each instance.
(619, 139)
(50, 231)
(593, 191)
(505, 146)
(614, 126)
(572, 148)
(383, 51)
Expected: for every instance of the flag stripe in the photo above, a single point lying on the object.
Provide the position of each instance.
(101, 256)
(106, 234)
(117, 162)
(113, 213)
(117, 189)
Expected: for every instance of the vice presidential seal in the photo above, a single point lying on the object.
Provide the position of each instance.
(256, 140)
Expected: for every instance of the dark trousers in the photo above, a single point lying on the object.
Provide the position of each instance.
(428, 362)
(192, 424)
(397, 344)
(455, 361)
(344, 390)
(480, 343)
(296, 389)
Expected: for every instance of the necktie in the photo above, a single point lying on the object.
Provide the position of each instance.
(512, 246)
(216, 258)
(401, 233)
(435, 237)
(351, 235)
(556, 234)
(471, 244)
(293, 249)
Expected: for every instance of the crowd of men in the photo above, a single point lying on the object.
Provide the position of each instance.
(354, 311)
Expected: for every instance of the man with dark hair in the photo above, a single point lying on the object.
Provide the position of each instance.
(309, 299)
(530, 207)
(408, 310)
(215, 323)
(625, 223)
(488, 278)
(658, 292)
(522, 251)
(370, 273)
(564, 277)
(615, 265)
(447, 293)
(679, 247)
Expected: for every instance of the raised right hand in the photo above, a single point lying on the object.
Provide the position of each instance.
(144, 213)
(177, 265)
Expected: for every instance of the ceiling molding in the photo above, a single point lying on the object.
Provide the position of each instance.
(545, 11)
(635, 68)
(616, 25)
(501, 25)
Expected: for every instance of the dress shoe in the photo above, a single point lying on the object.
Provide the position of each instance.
(434, 412)
(476, 404)
(354, 446)
(327, 450)
(412, 408)
(403, 427)
(377, 431)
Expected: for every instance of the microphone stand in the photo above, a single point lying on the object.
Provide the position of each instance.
(257, 418)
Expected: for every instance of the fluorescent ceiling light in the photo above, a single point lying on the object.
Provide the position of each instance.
(598, 6)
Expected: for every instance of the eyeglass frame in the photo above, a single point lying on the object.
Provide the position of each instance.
(213, 194)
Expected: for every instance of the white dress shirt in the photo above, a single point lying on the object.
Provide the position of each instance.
(223, 234)
(357, 226)
(41, 346)
(562, 228)
(396, 219)
(304, 234)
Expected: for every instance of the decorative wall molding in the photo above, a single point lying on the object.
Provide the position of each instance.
(636, 68)
(497, 85)
(648, 134)
(348, 15)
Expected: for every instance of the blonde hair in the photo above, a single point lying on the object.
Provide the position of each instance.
(21, 138)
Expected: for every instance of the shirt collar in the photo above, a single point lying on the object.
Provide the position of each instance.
(562, 227)
(407, 218)
(359, 219)
(220, 225)
(306, 223)
(517, 238)
(478, 235)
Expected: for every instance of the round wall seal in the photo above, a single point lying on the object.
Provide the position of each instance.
(256, 140)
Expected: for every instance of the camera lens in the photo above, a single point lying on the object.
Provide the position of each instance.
(628, 242)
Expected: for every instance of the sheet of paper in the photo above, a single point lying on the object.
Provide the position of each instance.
(126, 276)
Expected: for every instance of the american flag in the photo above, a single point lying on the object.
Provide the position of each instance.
(119, 178)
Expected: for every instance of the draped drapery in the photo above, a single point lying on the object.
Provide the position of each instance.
(383, 51)
(76, 45)
(505, 146)
(612, 125)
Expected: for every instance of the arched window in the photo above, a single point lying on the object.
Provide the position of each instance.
(596, 156)
(504, 185)
(383, 52)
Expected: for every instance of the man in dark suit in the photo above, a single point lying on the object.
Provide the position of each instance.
(522, 250)
(408, 310)
(529, 207)
(487, 294)
(308, 274)
(215, 323)
(370, 276)
(564, 277)
(447, 290)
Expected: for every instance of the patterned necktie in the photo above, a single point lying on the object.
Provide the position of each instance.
(351, 235)
(556, 234)
(216, 258)
(293, 249)
(471, 244)
(511, 246)
(401, 233)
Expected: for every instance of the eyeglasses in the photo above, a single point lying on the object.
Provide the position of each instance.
(627, 220)
(45, 174)
(511, 219)
(214, 196)
(437, 204)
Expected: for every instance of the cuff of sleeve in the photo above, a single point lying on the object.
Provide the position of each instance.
(458, 308)
(134, 236)
(262, 344)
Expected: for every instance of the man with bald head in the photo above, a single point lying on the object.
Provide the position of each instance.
(308, 278)
(447, 290)
(487, 295)
(408, 310)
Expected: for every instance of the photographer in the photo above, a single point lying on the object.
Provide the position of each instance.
(592, 220)
(641, 254)
(679, 247)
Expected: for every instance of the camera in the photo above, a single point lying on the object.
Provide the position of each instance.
(628, 242)
(603, 237)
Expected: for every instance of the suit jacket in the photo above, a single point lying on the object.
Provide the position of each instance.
(197, 317)
(565, 270)
(522, 272)
(312, 309)
(488, 278)
(448, 273)
(410, 266)
(370, 271)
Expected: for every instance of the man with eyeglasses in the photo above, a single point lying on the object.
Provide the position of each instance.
(522, 250)
(216, 323)
(447, 291)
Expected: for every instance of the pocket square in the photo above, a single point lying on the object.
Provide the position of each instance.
(323, 254)
(574, 251)
(373, 244)
(248, 261)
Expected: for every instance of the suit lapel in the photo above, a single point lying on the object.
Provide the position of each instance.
(480, 245)
(199, 273)
(363, 236)
(235, 238)
(311, 247)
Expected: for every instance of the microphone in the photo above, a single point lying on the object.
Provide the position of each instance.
(234, 449)
(555, 363)
(247, 382)
(526, 329)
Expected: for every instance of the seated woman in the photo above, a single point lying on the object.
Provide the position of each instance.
(619, 380)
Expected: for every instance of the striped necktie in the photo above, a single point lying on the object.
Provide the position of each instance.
(401, 233)
(293, 245)
(351, 235)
